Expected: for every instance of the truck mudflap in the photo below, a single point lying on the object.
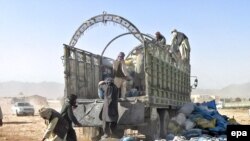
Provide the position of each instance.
(88, 113)
(130, 112)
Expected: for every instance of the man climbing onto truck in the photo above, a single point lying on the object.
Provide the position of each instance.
(109, 114)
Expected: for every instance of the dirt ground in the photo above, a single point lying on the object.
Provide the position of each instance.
(27, 128)
(31, 128)
(241, 115)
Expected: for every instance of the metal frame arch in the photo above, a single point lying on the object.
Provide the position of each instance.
(142, 34)
(111, 41)
(105, 18)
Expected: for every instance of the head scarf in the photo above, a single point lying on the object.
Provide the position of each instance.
(45, 112)
(157, 33)
(121, 56)
(174, 30)
(71, 99)
(109, 81)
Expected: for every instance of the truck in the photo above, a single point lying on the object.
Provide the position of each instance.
(163, 85)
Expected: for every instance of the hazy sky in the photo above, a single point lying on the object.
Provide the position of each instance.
(32, 34)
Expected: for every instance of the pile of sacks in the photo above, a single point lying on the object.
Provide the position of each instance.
(199, 121)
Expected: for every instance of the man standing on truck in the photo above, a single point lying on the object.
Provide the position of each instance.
(179, 43)
(161, 40)
(138, 69)
(57, 126)
(67, 113)
(121, 74)
(109, 114)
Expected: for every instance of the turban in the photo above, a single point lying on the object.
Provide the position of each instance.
(45, 112)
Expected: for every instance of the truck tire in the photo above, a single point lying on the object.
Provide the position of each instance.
(119, 131)
(164, 120)
(152, 129)
(91, 133)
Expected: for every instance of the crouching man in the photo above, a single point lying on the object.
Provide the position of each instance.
(57, 126)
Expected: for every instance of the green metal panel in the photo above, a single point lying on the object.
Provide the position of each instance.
(166, 85)
(83, 73)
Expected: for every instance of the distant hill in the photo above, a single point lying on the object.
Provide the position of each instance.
(231, 91)
(54, 90)
(50, 90)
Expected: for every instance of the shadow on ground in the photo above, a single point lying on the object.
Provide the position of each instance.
(17, 122)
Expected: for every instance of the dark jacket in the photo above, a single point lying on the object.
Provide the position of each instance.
(67, 113)
(110, 105)
(118, 71)
(62, 125)
(180, 37)
(161, 40)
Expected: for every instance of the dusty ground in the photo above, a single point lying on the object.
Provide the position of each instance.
(241, 115)
(27, 128)
(31, 128)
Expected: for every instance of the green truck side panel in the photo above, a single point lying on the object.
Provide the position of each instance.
(165, 84)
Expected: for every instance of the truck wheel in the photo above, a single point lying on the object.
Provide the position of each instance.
(92, 133)
(152, 130)
(164, 119)
(154, 127)
(118, 132)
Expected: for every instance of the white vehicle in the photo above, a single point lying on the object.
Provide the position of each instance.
(219, 105)
(23, 108)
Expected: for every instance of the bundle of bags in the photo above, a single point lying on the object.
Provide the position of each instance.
(197, 120)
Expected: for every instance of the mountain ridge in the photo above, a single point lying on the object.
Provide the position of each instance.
(230, 91)
(54, 90)
(50, 90)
